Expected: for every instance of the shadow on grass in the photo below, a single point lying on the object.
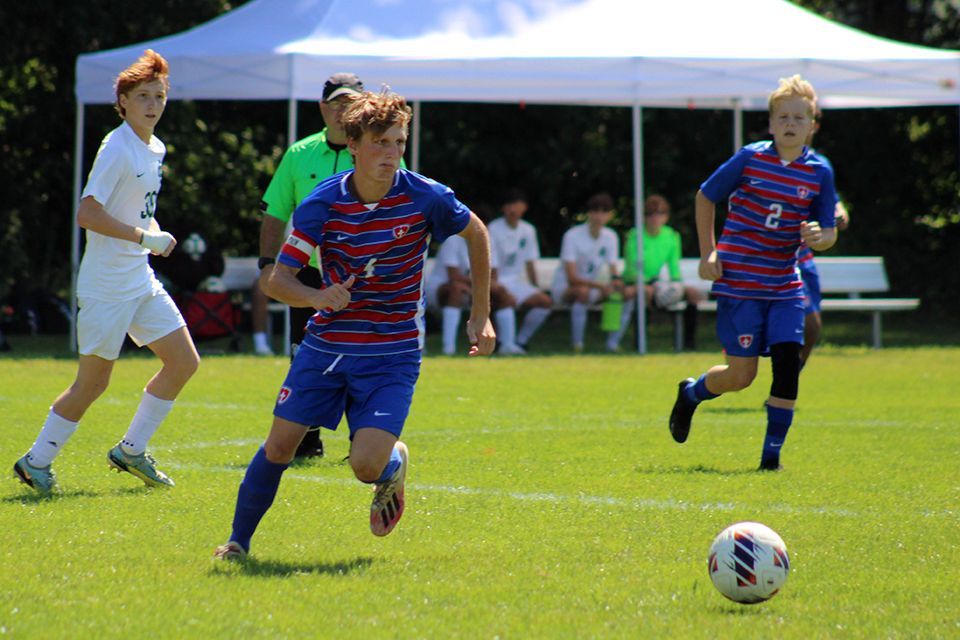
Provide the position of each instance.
(731, 609)
(697, 468)
(35, 498)
(280, 569)
(732, 410)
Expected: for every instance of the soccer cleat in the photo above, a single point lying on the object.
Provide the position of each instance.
(232, 551)
(682, 413)
(387, 506)
(42, 479)
(142, 466)
(311, 446)
(769, 465)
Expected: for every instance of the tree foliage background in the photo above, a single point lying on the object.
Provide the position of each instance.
(897, 169)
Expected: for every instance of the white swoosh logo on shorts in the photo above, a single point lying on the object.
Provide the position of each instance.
(380, 413)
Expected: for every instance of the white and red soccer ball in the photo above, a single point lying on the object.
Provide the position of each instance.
(748, 562)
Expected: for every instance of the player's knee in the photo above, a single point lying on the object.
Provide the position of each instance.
(785, 359)
(279, 452)
(365, 469)
(742, 378)
(189, 365)
(183, 367)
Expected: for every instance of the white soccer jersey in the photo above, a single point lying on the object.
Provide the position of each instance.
(125, 179)
(593, 256)
(453, 253)
(514, 248)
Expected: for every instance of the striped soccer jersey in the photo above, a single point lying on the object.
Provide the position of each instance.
(384, 245)
(766, 203)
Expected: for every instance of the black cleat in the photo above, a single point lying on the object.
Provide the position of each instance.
(769, 465)
(682, 413)
(311, 446)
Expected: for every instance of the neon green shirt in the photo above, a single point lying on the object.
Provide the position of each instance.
(659, 250)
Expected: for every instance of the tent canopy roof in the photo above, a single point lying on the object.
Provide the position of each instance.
(678, 53)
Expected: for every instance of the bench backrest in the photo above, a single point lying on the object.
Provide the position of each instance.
(838, 275)
(239, 274)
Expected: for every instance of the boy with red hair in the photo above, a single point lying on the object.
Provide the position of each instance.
(117, 292)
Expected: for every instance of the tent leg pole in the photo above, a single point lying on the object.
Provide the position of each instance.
(74, 227)
(291, 138)
(638, 189)
(415, 142)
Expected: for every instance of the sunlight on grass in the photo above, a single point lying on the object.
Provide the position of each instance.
(545, 499)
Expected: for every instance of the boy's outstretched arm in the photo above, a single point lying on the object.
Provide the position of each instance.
(706, 213)
(480, 331)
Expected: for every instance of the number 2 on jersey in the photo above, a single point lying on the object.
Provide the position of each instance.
(773, 219)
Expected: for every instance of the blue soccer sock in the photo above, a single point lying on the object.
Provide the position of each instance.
(391, 467)
(256, 494)
(778, 424)
(697, 392)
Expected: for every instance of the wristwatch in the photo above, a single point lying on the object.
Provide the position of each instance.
(265, 262)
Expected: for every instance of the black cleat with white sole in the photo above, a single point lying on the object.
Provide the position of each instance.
(682, 413)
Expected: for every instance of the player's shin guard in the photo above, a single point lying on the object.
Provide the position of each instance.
(256, 494)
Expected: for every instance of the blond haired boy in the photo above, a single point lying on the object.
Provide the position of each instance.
(779, 194)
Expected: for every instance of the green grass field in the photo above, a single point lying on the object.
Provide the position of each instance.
(545, 499)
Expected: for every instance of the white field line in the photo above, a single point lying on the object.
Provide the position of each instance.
(552, 498)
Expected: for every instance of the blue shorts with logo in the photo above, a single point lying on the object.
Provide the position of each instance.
(373, 391)
(748, 327)
(811, 286)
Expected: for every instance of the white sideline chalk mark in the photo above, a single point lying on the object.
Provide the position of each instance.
(553, 498)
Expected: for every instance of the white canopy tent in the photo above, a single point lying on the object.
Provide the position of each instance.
(589, 52)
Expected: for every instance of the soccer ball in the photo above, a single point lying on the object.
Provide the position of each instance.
(194, 246)
(748, 562)
(667, 294)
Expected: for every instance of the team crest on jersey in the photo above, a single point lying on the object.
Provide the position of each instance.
(284, 395)
(399, 232)
(745, 340)
(803, 192)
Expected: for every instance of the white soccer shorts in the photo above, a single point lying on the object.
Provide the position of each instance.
(103, 324)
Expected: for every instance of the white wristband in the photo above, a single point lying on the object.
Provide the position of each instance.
(156, 241)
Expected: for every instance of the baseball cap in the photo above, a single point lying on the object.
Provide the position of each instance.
(340, 84)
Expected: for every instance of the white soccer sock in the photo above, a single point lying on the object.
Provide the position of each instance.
(506, 320)
(260, 341)
(531, 322)
(451, 323)
(54, 434)
(616, 336)
(578, 322)
(146, 421)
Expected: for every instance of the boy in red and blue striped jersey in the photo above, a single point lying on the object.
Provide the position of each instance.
(361, 353)
(779, 195)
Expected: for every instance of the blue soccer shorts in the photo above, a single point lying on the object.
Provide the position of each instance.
(748, 328)
(811, 287)
(373, 391)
